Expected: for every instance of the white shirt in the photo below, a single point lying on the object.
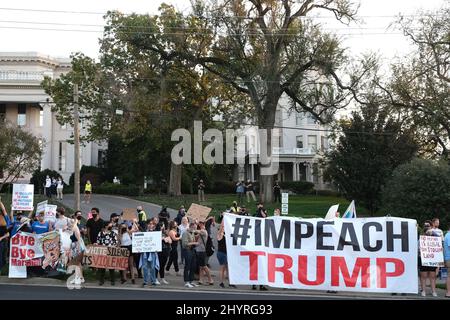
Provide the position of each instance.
(182, 229)
(60, 184)
(48, 183)
(61, 223)
(126, 240)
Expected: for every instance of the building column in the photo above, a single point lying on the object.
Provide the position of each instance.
(252, 172)
(47, 137)
(294, 171)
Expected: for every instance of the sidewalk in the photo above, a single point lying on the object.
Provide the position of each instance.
(177, 283)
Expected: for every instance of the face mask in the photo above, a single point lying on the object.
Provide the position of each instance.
(78, 217)
(94, 215)
(58, 215)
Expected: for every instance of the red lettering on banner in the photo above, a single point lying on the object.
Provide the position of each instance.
(253, 258)
(399, 269)
(303, 271)
(339, 266)
(272, 268)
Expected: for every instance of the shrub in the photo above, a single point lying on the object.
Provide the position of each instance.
(117, 189)
(94, 174)
(298, 187)
(419, 190)
(328, 193)
(224, 187)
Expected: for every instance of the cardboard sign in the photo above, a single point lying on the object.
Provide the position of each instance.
(25, 248)
(198, 212)
(22, 198)
(41, 207)
(284, 203)
(146, 242)
(50, 212)
(129, 214)
(103, 257)
(431, 252)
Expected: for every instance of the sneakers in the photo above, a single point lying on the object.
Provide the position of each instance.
(195, 285)
(222, 285)
(232, 286)
(423, 294)
(434, 294)
(82, 280)
(156, 283)
(143, 285)
(188, 285)
(164, 281)
(122, 281)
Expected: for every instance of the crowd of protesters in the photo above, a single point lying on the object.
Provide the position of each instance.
(192, 238)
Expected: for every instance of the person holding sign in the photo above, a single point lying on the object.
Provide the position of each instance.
(125, 242)
(149, 262)
(200, 249)
(107, 237)
(425, 271)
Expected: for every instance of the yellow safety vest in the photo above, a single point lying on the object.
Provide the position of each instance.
(88, 187)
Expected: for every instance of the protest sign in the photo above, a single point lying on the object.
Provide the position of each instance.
(431, 251)
(25, 250)
(146, 242)
(22, 197)
(50, 212)
(129, 214)
(41, 207)
(366, 255)
(332, 212)
(198, 212)
(284, 203)
(103, 257)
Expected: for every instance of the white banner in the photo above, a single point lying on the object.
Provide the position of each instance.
(431, 251)
(24, 249)
(22, 197)
(50, 212)
(146, 242)
(365, 254)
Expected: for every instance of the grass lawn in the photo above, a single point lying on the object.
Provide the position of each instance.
(299, 205)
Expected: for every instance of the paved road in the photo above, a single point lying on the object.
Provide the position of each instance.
(109, 204)
(31, 292)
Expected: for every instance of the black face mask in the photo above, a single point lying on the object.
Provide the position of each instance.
(58, 215)
(94, 215)
(79, 217)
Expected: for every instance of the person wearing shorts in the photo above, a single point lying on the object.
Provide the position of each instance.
(222, 256)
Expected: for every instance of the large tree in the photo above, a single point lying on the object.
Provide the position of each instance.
(420, 82)
(260, 49)
(370, 145)
(20, 153)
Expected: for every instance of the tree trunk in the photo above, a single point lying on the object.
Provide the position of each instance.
(266, 189)
(174, 188)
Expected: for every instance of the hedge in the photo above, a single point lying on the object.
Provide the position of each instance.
(298, 187)
(118, 189)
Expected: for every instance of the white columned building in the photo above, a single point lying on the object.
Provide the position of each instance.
(23, 102)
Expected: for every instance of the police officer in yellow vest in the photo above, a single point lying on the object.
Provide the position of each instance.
(87, 191)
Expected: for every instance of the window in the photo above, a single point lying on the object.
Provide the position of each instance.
(41, 118)
(310, 119)
(2, 113)
(62, 156)
(323, 143)
(21, 114)
(300, 142)
(312, 142)
(298, 118)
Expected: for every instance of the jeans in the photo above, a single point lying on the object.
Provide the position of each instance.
(190, 265)
(183, 256)
(149, 272)
(201, 195)
(173, 259)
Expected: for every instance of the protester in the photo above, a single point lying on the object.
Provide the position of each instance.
(59, 188)
(234, 207)
(81, 227)
(277, 192)
(61, 219)
(164, 254)
(114, 219)
(164, 217)
(260, 213)
(173, 258)
(240, 190)
(87, 192)
(180, 215)
(4, 235)
(249, 190)
(447, 259)
(149, 262)
(47, 187)
(427, 272)
(277, 212)
(209, 223)
(41, 226)
(77, 251)
(94, 225)
(201, 191)
(181, 229)
(126, 243)
(244, 211)
(435, 231)
(107, 237)
(142, 217)
(222, 256)
(189, 242)
(200, 250)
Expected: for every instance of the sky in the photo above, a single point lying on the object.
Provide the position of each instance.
(15, 33)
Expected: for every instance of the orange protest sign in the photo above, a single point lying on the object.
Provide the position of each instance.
(198, 212)
(129, 214)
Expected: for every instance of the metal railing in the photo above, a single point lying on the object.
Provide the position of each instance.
(12, 75)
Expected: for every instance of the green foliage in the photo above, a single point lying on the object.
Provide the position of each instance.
(224, 187)
(419, 190)
(371, 146)
(117, 189)
(20, 153)
(298, 187)
(94, 174)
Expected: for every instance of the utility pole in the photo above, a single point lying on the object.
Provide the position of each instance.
(76, 135)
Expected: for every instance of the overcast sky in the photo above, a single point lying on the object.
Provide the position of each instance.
(377, 15)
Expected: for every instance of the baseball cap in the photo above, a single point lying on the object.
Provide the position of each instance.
(114, 215)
